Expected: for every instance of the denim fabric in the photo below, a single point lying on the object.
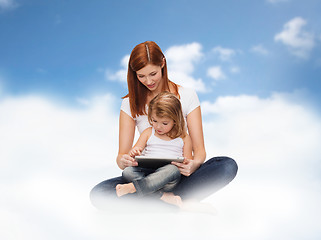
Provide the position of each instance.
(147, 181)
(213, 175)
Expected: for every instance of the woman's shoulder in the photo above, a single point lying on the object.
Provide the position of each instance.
(126, 107)
(185, 91)
(189, 99)
(125, 101)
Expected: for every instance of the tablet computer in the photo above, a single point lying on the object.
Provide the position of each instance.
(156, 162)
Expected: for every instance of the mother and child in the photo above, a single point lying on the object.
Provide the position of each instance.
(168, 118)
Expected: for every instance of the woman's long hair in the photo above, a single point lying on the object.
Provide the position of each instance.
(166, 104)
(144, 53)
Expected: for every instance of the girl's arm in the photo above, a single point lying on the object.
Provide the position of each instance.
(126, 138)
(141, 142)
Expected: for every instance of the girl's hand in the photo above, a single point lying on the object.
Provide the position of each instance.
(127, 161)
(136, 151)
(187, 167)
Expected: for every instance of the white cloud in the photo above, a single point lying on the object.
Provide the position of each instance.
(216, 73)
(51, 155)
(235, 69)
(42, 130)
(120, 75)
(181, 61)
(225, 54)
(260, 49)
(8, 4)
(276, 123)
(299, 42)
(182, 57)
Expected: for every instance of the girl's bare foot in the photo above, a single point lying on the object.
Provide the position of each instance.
(123, 189)
(170, 198)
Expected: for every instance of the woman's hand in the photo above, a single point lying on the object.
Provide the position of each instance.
(187, 167)
(127, 161)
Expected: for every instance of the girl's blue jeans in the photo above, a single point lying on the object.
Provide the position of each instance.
(211, 176)
(150, 181)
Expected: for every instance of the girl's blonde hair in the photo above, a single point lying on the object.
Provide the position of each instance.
(143, 54)
(166, 104)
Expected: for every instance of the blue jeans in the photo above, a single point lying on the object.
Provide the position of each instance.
(211, 176)
(148, 181)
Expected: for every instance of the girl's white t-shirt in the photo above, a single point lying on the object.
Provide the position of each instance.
(156, 147)
(189, 101)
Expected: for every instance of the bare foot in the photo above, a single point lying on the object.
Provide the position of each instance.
(170, 198)
(123, 189)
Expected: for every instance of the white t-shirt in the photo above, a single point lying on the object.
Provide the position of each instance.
(156, 147)
(188, 98)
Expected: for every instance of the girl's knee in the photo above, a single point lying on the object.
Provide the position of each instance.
(173, 170)
(128, 172)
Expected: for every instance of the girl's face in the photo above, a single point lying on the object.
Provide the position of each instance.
(151, 77)
(162, 125)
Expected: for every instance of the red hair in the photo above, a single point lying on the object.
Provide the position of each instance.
(143, 54)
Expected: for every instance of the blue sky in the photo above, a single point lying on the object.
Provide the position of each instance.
(62, 48)
(256, 67)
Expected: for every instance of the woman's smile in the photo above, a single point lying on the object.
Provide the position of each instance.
(151, 86)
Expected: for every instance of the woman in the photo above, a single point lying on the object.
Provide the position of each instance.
(147, 77)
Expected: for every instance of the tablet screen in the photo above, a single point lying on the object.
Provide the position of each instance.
(156, 162)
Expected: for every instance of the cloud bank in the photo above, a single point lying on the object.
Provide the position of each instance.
(52, 155)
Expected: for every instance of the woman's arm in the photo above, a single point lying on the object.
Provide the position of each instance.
(126, 138)
(195, 130)
(187, 149)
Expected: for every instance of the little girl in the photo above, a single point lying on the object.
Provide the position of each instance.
(166, 138)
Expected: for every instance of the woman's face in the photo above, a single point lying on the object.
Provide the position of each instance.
(151, 77)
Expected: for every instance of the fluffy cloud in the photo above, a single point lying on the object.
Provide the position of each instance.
(216, 73)
(181, 60)
(51, 155)
(224, 54)
(299, 42)
(120, 75)
(260, 49)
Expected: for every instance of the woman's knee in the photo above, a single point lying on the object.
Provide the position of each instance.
(104, 191)
(229, 167)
